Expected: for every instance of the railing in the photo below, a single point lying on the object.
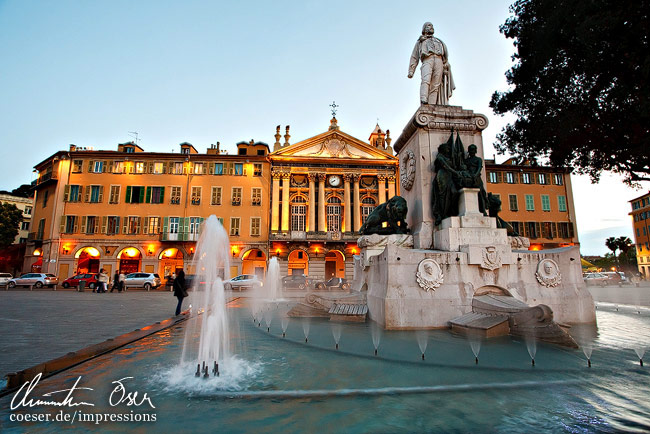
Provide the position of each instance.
(236, 201)
(46, 177)
(178, 236)
(35, 236)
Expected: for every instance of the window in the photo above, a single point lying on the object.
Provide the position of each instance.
(98, 167)
(256, 224)
(72, 193)
(234, 226)
(178, 168)
(198, 168)
(510, 177)
(152, 226)
(644, 231)
(91, 225)
(132, 225)
(115, 194)
(548, 230)
(96, 193)
(261, 152)
(155, 194)
(45, 195)
(118, 166)
(129, 149)
(558, 179)
(518, 227)
(77, 166)
(565, 230)
(157, 168)
(367, 206)
(532, 229)
(112, 225)
(196, 195)
(195, 224)
(638, 233)
(334, 214)
(28, 210)
(492, 177)
(175, 197)
(134, 194)
(241, 151)
(298, 213)
(174, 223)
(526, 178)
(561, 203)
(230, 169)
(236, 195)
(24, 226)
(512, 198)
(546, 203)
(216, 196)
(257, 169)
(239, 169)
(530, 203)
(70, 224)
(256, 196)
(185, 150)
(541, 178)
(41, 229)
(139, 167)
(218, 168)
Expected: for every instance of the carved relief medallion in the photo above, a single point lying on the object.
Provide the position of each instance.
(407, 170)
(491, 258)
(429, 275)
(548, 273)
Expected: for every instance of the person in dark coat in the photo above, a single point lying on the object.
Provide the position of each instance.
(179, 290)
(116, 281)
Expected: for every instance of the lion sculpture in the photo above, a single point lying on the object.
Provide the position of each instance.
(393, 213)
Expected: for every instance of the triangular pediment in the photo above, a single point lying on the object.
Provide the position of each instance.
(333, 144)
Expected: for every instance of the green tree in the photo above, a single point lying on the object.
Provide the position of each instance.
(612, 244)
(10, 219)
(579, 85)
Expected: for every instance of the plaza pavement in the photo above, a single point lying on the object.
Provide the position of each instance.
(36, 326)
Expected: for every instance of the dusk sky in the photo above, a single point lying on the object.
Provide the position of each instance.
(90, 72)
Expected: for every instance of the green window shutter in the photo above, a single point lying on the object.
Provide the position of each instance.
(62, 227)
(87, 193)
(145, 226)
(84, 221)
(101, 194)
(127, 198)
(125, 225)
(186, 227)
(91, 163)
(110, 167)
(66, 193)
(117, 225)
(162, 194)
(104, 224)
(211, 168)
(141, 195)
(75, 219)
(165, 224)
(150, 167)
(137, 224)
(148, 198)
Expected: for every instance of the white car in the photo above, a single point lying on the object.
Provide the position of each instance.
(4, 278)
(242, 281)
(142, 280)
(37, 280)
(595, 279)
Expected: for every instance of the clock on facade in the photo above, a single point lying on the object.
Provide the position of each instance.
(335, 181)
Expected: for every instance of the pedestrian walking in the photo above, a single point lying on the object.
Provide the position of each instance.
(102, 279)
(179, 290)
(116, 282)
(122, 280)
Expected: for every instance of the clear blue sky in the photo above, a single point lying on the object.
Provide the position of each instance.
(88, 72)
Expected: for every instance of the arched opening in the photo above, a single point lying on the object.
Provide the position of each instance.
(299, 213)
(334, 212)
(130, 259)
(171, 261)
(254, 262)
(87, 260)
(367, 207)
(334, 264)
(298, 262)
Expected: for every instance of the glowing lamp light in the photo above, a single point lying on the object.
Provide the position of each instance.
(613, 268)
(37, 252)
(131, 251)
(535, 247)
(234, 250)
(92, 251)
(317, 250)
(169, 253)
(191, 250)
(278, 251)
(354, 251)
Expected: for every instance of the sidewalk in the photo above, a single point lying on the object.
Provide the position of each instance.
(39, 325)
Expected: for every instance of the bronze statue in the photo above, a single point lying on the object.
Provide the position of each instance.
(494, 207)
(473, 179)
(392, 212)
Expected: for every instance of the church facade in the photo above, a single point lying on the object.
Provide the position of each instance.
(322, 190)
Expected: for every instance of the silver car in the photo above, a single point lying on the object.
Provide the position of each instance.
(37, 280)
(142, 280)
(242, 281)
(4, 278)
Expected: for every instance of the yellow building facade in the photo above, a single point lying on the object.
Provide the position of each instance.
(132, 210)
(322, 190)
(641, 226)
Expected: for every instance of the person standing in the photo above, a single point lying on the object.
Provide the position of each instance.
(102, 278)
(122, 280)
(116, 281)
(179, 290)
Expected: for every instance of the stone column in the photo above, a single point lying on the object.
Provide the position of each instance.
(286, 178)
(312, 203)
(357, 204)
(391, 186)
(275, 206)
(347, 222)
(322, 223)
(381, 180)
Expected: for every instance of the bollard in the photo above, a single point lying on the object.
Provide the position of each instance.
(198, 370)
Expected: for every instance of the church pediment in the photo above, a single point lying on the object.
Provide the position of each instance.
(333, 144)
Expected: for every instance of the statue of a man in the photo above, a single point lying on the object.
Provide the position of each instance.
(473, 178)
(437, 83)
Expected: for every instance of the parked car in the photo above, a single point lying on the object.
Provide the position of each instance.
(242, 281)
(295, 281)
(595, 279)
(4, 278)
(616, 278)
(142, 280)
(333, 283)
(38, 280)
(90, 279)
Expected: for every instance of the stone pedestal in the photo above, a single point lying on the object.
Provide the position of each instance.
(418, 144)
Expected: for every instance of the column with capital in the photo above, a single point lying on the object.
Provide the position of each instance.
(286, 178)
(312, 202)
(275, 207)
(348, 203)
(391, 186)
(381, 179)
(357, 203)
(322, 224)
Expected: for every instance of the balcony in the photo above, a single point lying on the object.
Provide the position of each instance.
(175, 200)
(35, 236)
(46, 177)
(236, 201)
(178, 236)
(314, 236)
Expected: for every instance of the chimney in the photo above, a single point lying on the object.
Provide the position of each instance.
(388, 140)
(277, 145)
(287, 137)
(218, 146)
(73, 147)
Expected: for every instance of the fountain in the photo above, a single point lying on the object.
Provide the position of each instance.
(422, 337)
(375, 332)
(306, 323)
(337, 329)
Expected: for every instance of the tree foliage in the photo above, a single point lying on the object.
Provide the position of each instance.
(10, 219)
(579, 85)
